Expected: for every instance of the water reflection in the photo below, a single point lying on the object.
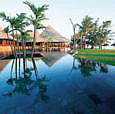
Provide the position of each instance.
(88, 66)
(57, 84)
(52, 58)
(23, 82)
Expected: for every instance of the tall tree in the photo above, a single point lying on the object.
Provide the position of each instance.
(95, 34)
(12, 22)
(92, 35)
(17, 25)
(103, 33)
(85, 27)
(38, 16)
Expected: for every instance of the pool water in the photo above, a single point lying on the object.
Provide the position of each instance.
(56, 84)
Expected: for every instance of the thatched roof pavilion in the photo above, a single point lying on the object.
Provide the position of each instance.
(51, 34)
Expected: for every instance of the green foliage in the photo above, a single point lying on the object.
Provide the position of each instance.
(36, 18)
(38, 14)
(103, 32)
(37, 11)
(6, 30)
(95, 33)
(77, 36)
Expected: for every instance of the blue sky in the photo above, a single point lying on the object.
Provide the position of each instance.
(61, 10)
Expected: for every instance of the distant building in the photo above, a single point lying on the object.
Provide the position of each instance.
(111, 39)
(4, 40)
(51, 37)
(48, 38)
(110, 42)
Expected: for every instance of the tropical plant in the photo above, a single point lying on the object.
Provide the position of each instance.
(92, 36)
(77, 36)
(16, 25)
(85, 27)
(38, 16)
(95, 34)
(12, 23)
(103, 33)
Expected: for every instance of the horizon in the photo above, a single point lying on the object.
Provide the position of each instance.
(60, 11)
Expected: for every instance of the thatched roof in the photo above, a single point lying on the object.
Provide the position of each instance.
(52, 35)
(51, 59)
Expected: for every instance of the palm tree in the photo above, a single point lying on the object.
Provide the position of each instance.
(77, 36)
(38, 16)
(85, 27)
(17, 28)
(12, 22)
(103, 33)
(92, 35)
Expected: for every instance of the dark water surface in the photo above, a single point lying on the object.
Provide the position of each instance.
(62, 85)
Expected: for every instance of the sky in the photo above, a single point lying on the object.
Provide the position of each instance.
(60, 11)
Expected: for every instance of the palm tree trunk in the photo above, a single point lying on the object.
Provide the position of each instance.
(19, 66)
(74, 41)
(81, 43)
(100, 46)
(14, 43)
(35, 68)
(92, 46)
(17, 43)
(24, 66)
(34, 41)
(10, 45)
(16, 68)
(12, 67)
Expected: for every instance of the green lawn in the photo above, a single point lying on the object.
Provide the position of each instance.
(105, 56)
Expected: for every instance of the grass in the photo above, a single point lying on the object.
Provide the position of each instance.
(105, 56)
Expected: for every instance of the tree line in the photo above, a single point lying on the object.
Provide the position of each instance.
(92, 32)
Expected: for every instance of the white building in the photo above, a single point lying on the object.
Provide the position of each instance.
(110, 42)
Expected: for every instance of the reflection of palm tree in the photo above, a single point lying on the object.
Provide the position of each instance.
(35, 68)
(103, 68)
(10, 80)
(74, 67)
(25, 84)
(86, 66)
(42, 90)
(22, 84)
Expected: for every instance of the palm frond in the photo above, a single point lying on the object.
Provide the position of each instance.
(37, 11)
(2, 15)
(31, 6)
(6, 30)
